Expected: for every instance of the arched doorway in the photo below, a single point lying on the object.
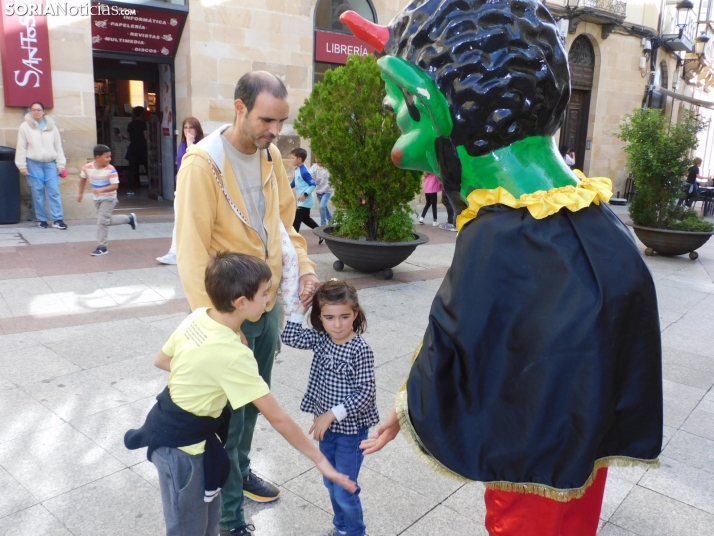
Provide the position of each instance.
(574, 131)
(332, 38)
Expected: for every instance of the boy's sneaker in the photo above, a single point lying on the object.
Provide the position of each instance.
(435, 224)
(169, 258)
(421, 220)
(448, 227)
(258, 490)
(101, 250)
(59, 224)
(130, 192)
(335, 532)
(132, 221)
(42, 224)
(245, 530)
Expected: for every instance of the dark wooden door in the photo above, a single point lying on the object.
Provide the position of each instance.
(575, 127)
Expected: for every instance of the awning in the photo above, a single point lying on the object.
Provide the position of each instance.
(684, 98)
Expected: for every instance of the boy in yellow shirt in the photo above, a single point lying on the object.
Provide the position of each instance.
(210, 370)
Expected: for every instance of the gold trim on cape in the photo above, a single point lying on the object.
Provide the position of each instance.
(540, 204)
(560, 495)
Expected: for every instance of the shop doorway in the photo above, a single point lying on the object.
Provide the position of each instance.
(574, 132)
(119, 87)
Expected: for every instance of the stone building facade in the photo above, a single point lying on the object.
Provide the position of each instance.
(217, 41)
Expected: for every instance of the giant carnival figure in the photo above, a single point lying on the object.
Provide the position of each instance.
(541, 364)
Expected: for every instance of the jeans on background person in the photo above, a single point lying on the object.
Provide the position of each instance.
(325, 214)
(449, 208)
(343, 452)
(43, 177)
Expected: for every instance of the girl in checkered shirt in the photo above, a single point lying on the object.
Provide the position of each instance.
(341, 391)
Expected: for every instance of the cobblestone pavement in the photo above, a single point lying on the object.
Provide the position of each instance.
(77, 338)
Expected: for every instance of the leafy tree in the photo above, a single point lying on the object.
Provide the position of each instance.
(353, 135)
(658, 158)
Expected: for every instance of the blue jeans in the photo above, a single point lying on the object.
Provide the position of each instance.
(43, 178)
(342, 451)
(325, 214)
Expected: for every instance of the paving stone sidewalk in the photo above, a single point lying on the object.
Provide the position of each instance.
(76, 372)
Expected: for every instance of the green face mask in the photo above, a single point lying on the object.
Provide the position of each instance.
(422, 114)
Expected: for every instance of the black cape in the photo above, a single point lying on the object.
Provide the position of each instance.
(542, 353)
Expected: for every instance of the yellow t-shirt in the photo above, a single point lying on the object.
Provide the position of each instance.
(210, 366)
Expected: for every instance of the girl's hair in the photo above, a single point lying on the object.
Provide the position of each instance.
(196, 124)
(334, 292)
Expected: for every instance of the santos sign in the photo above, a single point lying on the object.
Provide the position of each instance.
(26, 69)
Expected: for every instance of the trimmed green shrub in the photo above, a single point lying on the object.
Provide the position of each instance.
(353, 135)
(658, 158)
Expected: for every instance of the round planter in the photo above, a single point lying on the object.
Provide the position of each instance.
(369, 257)
(666, 242)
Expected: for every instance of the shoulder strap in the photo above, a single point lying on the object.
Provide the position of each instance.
(237, 211)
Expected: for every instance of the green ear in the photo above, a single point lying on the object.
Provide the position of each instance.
(415, 81)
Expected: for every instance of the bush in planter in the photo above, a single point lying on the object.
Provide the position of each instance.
(658, 158)
(353, 136)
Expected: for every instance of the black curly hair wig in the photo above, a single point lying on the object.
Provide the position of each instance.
(500, 64)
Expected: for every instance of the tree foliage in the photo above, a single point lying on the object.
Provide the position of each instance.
(352, 135)
(658, 159)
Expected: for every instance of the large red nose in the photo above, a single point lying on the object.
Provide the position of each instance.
(368, 32)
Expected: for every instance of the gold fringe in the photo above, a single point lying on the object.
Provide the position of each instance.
(560, 495)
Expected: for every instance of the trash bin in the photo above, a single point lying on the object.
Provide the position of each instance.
(9, 187)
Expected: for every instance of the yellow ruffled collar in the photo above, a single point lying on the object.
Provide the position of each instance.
(540, 204)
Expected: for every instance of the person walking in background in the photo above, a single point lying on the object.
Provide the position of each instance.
(191, 133)
(104, 180)
(449, 225)
(432, 187)
(341, 391)
(304, 185)
(138, 148)
(40, 158)
(323, 190)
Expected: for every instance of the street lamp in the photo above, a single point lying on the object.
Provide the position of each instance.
(701, 43)
(683, 9)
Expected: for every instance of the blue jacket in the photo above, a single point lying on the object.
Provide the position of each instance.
(304, 184)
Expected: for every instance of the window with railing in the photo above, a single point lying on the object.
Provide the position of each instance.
(613, 7)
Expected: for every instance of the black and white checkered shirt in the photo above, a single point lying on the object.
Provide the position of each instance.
(340, 374)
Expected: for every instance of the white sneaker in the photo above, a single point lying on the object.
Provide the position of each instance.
(421, 220)
(435, 224)
(169, 258)
(448, 227)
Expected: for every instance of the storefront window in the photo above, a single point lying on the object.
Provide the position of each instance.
(327, 14)
(327, 20)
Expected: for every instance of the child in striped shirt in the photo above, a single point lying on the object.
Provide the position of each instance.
(104, 180)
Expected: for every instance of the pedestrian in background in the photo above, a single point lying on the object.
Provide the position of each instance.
(40, 158)
(104, 180)
(323, 190)
(304, 185)
(190, 133)
(432, 187)
(138, 148)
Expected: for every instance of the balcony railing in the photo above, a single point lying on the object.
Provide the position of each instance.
(617, 8)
